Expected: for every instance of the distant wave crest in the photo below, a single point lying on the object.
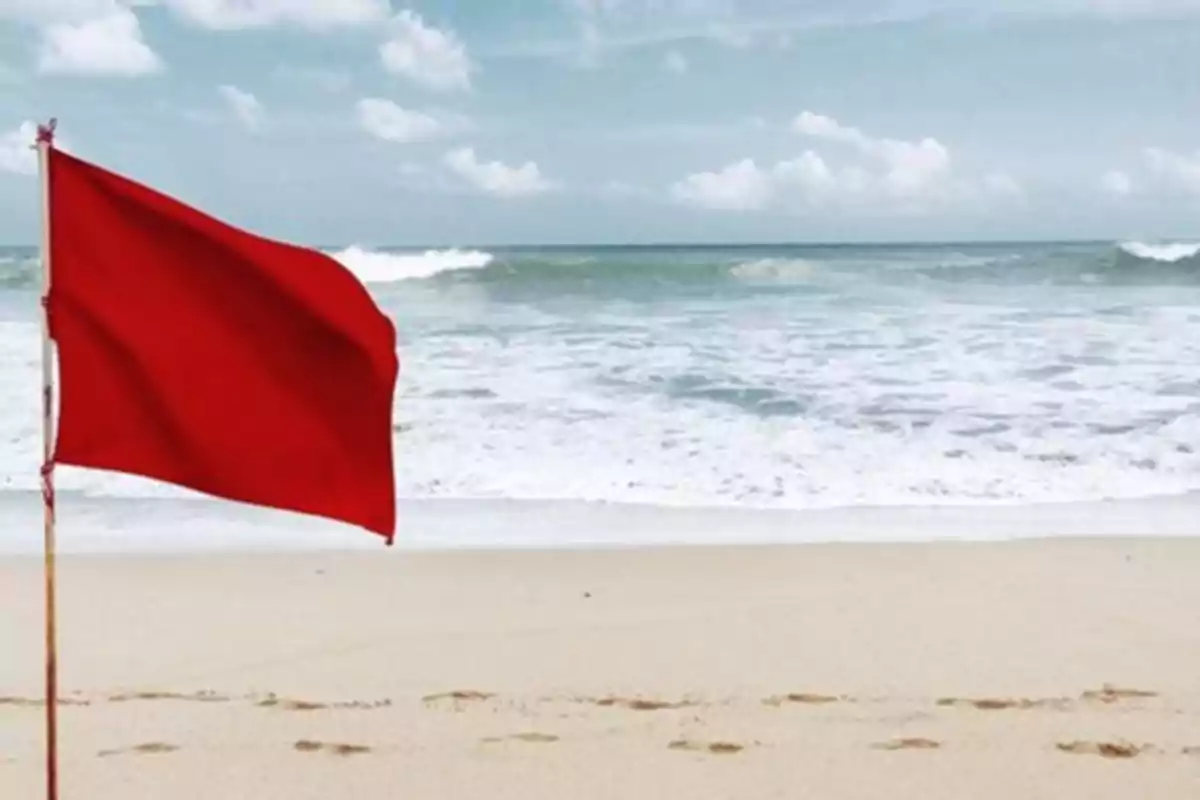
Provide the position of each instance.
(1165, 253)
(642, 271)
(374, 266)
(19, 272)
(774, 269)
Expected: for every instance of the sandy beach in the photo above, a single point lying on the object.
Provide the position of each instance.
(1038, 669)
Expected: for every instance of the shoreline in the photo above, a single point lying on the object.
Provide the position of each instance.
(210, 555)
(188, 525)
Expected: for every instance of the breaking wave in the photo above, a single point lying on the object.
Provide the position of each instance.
(786, 376)
(738, 269)
(374, 266)
(774, 269)
(1175, 253)
(19, 271)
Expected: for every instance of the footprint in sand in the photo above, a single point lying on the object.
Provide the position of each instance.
(20, 702)
(1001, 703)
(639, 703)
(1104, 749)
(194, 697)
(531, 737)
(292, 704)
(716, 748)
(31, 702)
(911, 743)
(1113, 694)
(286, 704)
(361, 705)
(803, 698)
(333, 748)
(457, 697)
(149, 748)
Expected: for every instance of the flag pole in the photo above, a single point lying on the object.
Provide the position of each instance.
(45, 141)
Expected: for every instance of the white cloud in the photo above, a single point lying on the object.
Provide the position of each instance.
(910, 169)
(610, 24)
(913, 168)
(738, 187)
(1176, 170)
(245, 107)
(213, 14)
(107, 45)
(236, 14)
(675, 63)
(429, 57)
(885, 175)
(51, 11)
(496, 178)
(1117, 183)
(16, 155)
(824, 127)
(385, 120)
(1160, 171)
(813, 177)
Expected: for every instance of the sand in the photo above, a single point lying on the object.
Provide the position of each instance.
(1041, 669)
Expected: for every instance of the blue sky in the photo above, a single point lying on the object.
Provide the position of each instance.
(560, 121)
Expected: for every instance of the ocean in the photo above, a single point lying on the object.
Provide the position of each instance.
(772, 377)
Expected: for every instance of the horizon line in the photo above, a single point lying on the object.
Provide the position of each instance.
(712, 244)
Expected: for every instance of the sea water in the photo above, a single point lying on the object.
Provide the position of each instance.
(785, 378)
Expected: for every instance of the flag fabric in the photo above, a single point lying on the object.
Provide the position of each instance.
(198, 354)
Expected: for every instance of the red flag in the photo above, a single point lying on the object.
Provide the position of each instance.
(198, 354)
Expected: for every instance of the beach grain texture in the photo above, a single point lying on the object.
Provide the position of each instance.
(1040, 669)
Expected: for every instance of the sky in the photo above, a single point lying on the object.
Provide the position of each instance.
(473, 122)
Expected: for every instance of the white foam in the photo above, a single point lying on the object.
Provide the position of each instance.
(373, 266)
(1005, 395)
(774, 269)
(1170, 253)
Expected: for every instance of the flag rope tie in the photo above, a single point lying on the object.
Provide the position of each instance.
(47, 483)
(45, 133)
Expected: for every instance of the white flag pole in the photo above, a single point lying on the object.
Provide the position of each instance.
(45, 141)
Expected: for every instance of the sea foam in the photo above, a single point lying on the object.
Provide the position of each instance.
(1170, 253)
(659, 377)
(374, 266)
